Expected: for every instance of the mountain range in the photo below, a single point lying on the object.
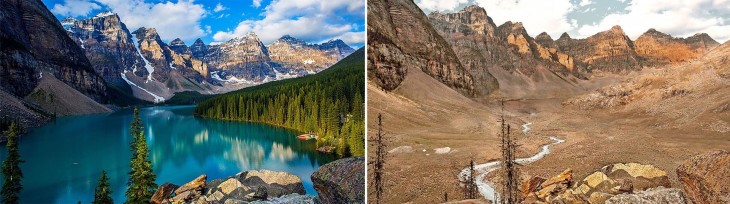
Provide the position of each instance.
(156, 70)
(467, 51)
(50, 67)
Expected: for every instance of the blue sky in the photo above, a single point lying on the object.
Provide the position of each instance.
(216, 21)
(582, 18)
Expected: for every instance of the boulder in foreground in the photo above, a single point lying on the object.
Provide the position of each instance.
(706, 178)
(341, 181)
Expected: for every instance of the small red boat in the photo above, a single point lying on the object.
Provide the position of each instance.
(307, 136)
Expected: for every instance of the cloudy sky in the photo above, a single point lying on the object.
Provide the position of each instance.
(221, 20)
(582, 18)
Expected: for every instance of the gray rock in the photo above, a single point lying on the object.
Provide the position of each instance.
(276, 183)
(650, 196)
(341, 181)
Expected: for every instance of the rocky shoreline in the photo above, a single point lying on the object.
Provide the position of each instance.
(703, 180)
(340, 181)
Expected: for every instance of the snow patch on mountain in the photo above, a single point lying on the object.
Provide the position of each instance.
(147, 64)
(158, 99)
(82, 43)
(309, 61)
(232, 79)
(104, 14)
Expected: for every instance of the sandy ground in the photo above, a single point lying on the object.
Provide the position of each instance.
(422, 115)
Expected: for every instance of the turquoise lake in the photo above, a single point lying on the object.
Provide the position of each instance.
(64, 159)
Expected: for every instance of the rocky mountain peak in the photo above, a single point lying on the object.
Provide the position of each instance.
(105, 14)
(474, 9)
(198, 42)
(703, 38)
(290, 40)
(336, 43)
(199, 49)
(252, 36)
(655, 34)
(564, 36)
(179, 46)
(471, 19)
(177, 42)
(68, 20)
(510, 27)
(544, 37)
(617, 29)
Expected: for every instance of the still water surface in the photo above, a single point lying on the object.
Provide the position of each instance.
(64, 159)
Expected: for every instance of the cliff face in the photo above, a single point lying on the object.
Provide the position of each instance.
(165, 59)
(296, 56)
(609, 50)
(106, 43)
(400, 37)
(660, 49)
(243, 57)
(472, 32)
(33, 42)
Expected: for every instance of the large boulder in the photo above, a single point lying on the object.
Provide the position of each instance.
(251, 186)
(641, 176)
(191, 191)
(706, 178)
(198, 184)
(276, 183)
(597, 187)
(163, 193)
(653, 195)
(341, 181)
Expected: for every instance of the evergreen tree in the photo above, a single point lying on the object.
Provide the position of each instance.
(103, 193)
(141, 184)
(313, 104)
(11, 167)
(134, 130)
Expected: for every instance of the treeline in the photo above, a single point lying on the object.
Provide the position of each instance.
(329, 104)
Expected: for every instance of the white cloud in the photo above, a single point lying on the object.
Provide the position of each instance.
(353, 38)
(585, 3)
(537, 16)
(440, 5)
(309, 20)
(256, 3)
(172, 20)
(678, 18)
(219, 7)
(73, 8)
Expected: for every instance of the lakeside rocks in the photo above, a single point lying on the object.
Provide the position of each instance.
(341, 181)
(654, 195)
(604, 184)
(706, 178)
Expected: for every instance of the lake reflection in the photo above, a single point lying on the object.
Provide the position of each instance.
(64, 159)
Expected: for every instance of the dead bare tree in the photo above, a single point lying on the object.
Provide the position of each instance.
(471, 183)
(379, 161)
(510, 188)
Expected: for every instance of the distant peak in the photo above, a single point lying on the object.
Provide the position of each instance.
(251, 35)
(177, 42)
(655, 33)
(199, 42)
(474, 8)
(564, 36)
(105, 14)
(290, 40)
(68, 21)
(543, 36)
(617, 28)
